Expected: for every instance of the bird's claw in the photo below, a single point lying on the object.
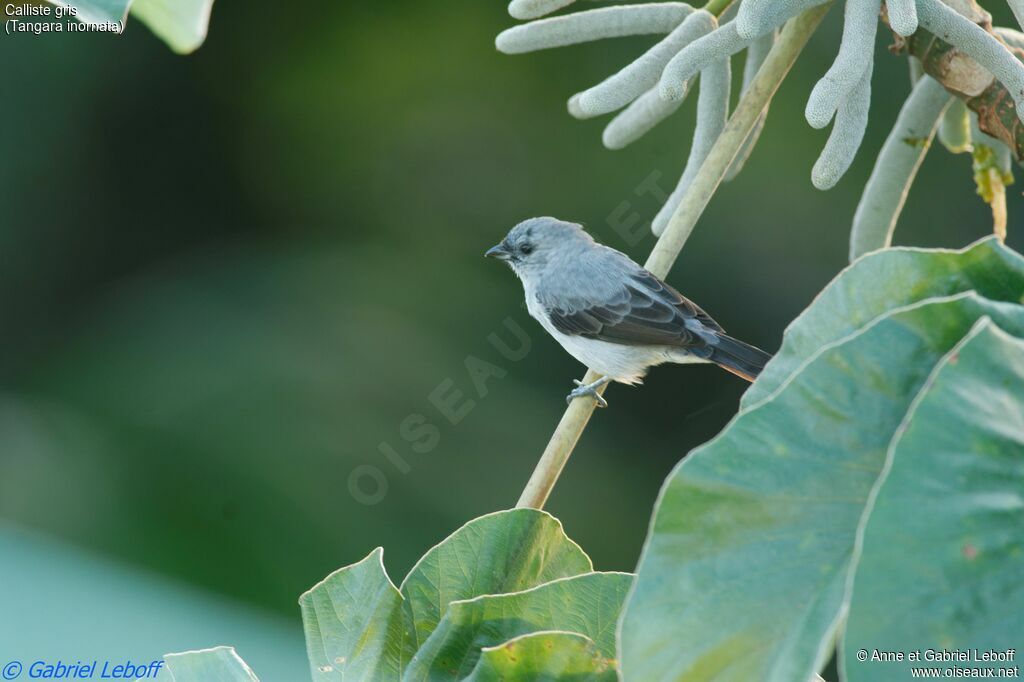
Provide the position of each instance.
(584, 390)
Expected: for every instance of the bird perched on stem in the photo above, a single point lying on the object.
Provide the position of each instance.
(610, 313)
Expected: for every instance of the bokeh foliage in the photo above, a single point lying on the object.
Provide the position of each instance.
(764, 540)
(227, 279)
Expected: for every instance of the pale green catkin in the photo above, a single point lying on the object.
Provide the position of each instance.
(1012, 37)
(597, 24)
(897, 164)
(716, 47)
(712, 114)
(531, 9)
(902, 16)
(636, 120)
(644, 73)
(1017, 6)
(847, 134)
(759, 17)
(855, 54)
(652, 87)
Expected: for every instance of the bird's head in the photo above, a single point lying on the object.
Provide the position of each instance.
(534, 244)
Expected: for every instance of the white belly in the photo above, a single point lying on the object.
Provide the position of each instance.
(625, 364)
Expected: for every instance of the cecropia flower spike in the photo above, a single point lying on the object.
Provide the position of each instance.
(1012, 38)
(902, 16)
(855, 54)
(598, 24)
(760, 17)
(847, 134)
(636, 120)
(531, 9)
(652, 87)
(713, 48)
(641, 75)
(1017, 6)
(712, 114)
(896, 167)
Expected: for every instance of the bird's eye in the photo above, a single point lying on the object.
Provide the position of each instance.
(526, 249)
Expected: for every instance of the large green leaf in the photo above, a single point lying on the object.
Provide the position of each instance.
(220, 664)
(882, 281)
(587, 604)
(544, 657)
(749, 552)
(355, 624)
(98, 11)
(359, 626)
(503, 552)
(182, 24)
(943, 548)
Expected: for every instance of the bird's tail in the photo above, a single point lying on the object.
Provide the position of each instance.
(737, 357)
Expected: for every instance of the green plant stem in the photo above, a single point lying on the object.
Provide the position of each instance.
(991, 181)
(775, 68)
(757, 97)
(717, 7)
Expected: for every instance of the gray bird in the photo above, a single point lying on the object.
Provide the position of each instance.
(611, 314)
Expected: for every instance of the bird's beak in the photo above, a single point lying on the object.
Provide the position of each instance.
(499, 251)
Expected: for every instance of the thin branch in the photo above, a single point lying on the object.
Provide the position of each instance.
(960, 70)
(756, 54)
(998, 205)
(775, 68)
(780, 60)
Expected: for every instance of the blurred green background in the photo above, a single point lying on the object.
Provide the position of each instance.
(227, 279)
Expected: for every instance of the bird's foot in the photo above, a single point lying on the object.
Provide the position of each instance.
(583, 390)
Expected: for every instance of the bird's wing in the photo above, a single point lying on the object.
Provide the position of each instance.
(643, 310)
